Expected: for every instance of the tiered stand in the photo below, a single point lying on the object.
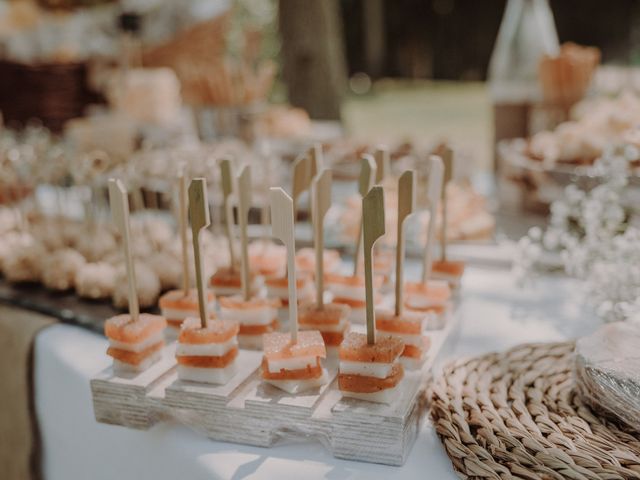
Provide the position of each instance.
(248, 411)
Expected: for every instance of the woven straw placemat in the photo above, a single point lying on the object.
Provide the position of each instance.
(516, 415)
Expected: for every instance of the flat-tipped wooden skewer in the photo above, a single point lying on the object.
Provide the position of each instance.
(373, 229)
(119, 201)
(434, 189)
(383, 163)
(320, 203)
(282, 225)
(199, 215)
(317, 160)
(367, 176)
(301, 179)
(244, 203)
(406, 206)
(447, 160)
(182, 225)
(226, 176)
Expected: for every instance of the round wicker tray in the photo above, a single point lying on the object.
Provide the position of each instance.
(516, 415)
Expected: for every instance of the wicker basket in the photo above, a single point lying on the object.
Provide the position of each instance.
(52, 93)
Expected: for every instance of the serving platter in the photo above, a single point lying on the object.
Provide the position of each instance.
(250, 412)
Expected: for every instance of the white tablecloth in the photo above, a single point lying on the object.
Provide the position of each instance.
(496, 315)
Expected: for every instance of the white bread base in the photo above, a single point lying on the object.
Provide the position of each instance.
(410, 363)
(126, 368)
(383, 396)
(366, 369)
(215, 376)
(206, 349)
(298, 386)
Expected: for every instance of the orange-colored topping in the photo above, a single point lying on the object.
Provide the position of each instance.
(208, 362)
(217, 331)
(356, 349)
(279, 346)
(437, 309)
(332, 339)
(449, 268)
(122, 329)
(134, 358)
(177, 300)
(406, 324)
(237, 302)
(259, 329)
(362, 384)
(301, 374)
(435, 291)
(350, 303)
(412, 351)
(282, 282)
(331, 313)
(350, 280)
(229, 277)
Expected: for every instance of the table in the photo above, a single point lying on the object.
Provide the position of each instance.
(496, 315)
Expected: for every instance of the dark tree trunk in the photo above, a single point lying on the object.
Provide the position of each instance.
(313, 56)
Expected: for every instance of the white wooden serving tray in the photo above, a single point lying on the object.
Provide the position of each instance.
(248, 411)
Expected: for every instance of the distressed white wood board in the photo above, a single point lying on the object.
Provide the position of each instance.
(123, 401)
(248, 411)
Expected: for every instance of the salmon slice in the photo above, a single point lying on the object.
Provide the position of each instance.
(356, 349)
(350, 303)
(301, 374)
(406, 324)
(362, 384)
(259, 329)
(282, 282)
(332, 339)
(217, 331)
(268, 258)
(236, 302)
(123, 329)
(306, 259)
(331, 313)
(177, 300)
(229, 277)
(449, 268)
(208, 362)
(350, 280)
(278, 346)
(435, 291)
(437, 309)
(134, 358)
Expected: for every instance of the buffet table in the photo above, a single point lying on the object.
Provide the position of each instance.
(495, 314)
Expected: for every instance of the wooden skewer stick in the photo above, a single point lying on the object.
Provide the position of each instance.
(182, 225)
(434, 189)
(320, 203)
(447, 160)
(368, 172)
(226, 175)
(372, 229)
(119, 201)
(383, 163)
(301, 179)
(406, 206)
(317, 160)
(244, 203)
(199, 215)
(282, 225)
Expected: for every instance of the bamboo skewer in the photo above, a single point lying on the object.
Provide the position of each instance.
(244, 203)
(182, 225)
(368, 172)
(226, 175)
(447, 160)
(282, 224)
(302, 168)
(406, 206)
(119, 202)
(317, 160)
(383, 164)
(199, 214)
(373, 228)
(320, 203)
(434, 189)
